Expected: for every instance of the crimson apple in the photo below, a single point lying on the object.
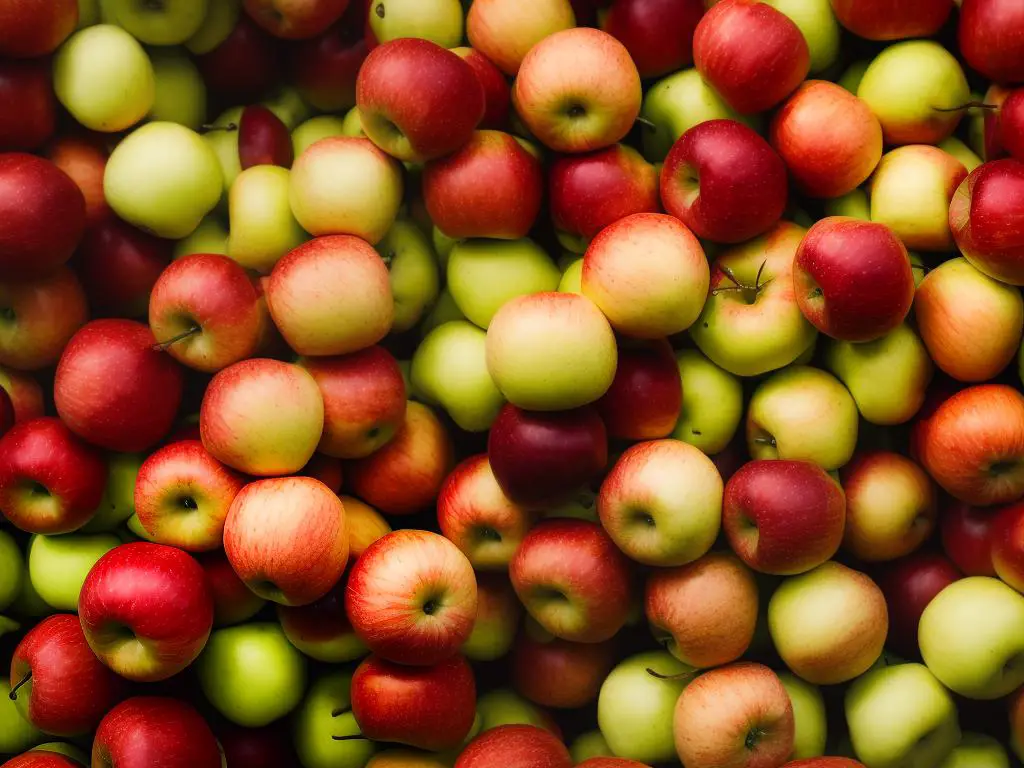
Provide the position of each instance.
(646, 395)
(266, 747)
(244, 66)
(41, 758)
(882, 20)
(35, 27)
(966, 535)
(146, 731)
(558, 673)
(657, 33)
(515, 746)
(25, 393)
(38, 317)
(324, 68)
(984, 217)
(233, 602)
(497, 94)
(83, 157)
(28, 108)
(1007, 539)
(119, 265)
(909, 584)
(7, 416)
(263, 139)
(990, 39)
(295, 19)
(1010, 118)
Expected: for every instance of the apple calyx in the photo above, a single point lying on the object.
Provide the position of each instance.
(13, 695)
(380, 11)
(754, 735)
(162, 346)
(749, 293)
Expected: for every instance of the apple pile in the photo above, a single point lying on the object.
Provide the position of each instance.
(511, 383)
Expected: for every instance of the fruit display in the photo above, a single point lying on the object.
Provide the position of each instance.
(511, 383)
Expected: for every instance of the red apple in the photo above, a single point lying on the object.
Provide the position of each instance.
(147, 731)
(324, 69)
(558, 673)
(783, 517)
(266, 747)
(244, 66)
(50, 481)
(28, 108)
(263, 139)
(723, 181)
(657, 33)
(35, 27)
(25, 393)
(990, 39)
(41, 758)
(985, 219)
(909, 584)
(515, 746)
(38, 317)
(430, 708)
(750, 77)
(146, 610)
(1010, 118)
(233, 602)
(497, 94)
(966, 534)
(824, 762)
(43, 212)
(646, 395)
(295, 19)
(881, 20)
(83, 157)
(853, 279)
(7, 416)
(115, 388)
(289, 558)
(322, 630)
(1007, 538)
(327, 469)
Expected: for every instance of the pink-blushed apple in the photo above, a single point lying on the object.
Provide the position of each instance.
(497, 93)
(233, 602)
(322, 630)
(984, 218)
(578, 90)
(853, 278)
(146, 610)
(405, 476)
(515, 746)
(50, 481)
(1007, 537)
(646, 395)
(295, 19)
(723, 181)
(909, 584)
(878, 20)
(83, 157)
(505, 30)
(154, 730)
(324, 68)
(657, 33)
(262, 417)
(119, 265)
(558, 673)
(288, 558)
(988, 33)
(29, 105)
(38, 317)
(966, 536)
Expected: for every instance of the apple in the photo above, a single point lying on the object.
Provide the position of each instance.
(163, 23)
(498, 614)
(33, 194)
(263, 137)
(217, 24)
(429, 707)
(497, 94)
(38, 758)
(60, 686)
(58, 565)
(413, 273)
(983, 225)
(233, 602)
(721, 167)
(24, 392)
(295, 19)
(50, 481)
(558, 673)
(146, 610)
(909, 585)
(504, 707)
(966, 536)
(147, 730)
(876, 20)
(1010, 121)
(577, 90)
(30, 108)
(986, 34)
(828, 624)
(314, 129)
(573, 580)
(31, 30)
(326, 712)
(515, 746)
(975, 748)
(810, 724)
(12, 571)
(38, 317)
(1016, 708)
(211, 236)
(256, 747)
(180, 93)
(324, 68)
(883, 730)
(645, 398)
(365, 525)
(657, 33)
(321, 630)
(504, 30)
(700, 424)
(17, 733)
(1006, 545)
(262, 227)
(244, 64)
(346, 186)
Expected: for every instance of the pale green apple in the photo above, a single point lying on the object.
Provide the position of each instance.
(16, 733)
(445, 310)
(118, 502)
(809, 718)
(211, 236)
(819, 27)
(12, 569)
(412, 270)
(635, 709)
(262, 228)
(88, 16)
(712, 403)
(158, 22)
(443, 246)
(504, 707)
(804, 414)
(854, 204)
(327, 712)
(136, 529)
(485, 274)
(8, 625)
(972, 637)
(180, 89)
(164, 179)
(572, 278)
(289, 106)
(58, 565)
(352, 124)
(977, 750)
(439, 21)
(961, 152)
(901, 717)
(588, 745)
(888, 377)
(221, 18)
(251, 674)
(851, 77)
(104, 78)
(222, 136)
(314, 129)
(63, 748)
(449, 369)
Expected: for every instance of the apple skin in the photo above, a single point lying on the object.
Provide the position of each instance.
(981, 217)
(973, 445)
(497, 93)
(233, 602)
(40, 758)
(154, 730)
(573, 580)
(324, 69)
(34, 193)
(970, 323)
(734, 715)
(578, 90)
(490, 186)
(323, 714)
(321, 630)
(504, 30)
(719, 168)
(1007, 548)
(1010, 117)
(36, 28)
(515, 746)
(58, 565)
(750, 78)
(50, 481)
(295, 19)
(146, 610)
(28, 104)
(909, 584)
(646, 395)
(558, 673)
(783, 517)
(988, 38)
(83, 157)
(40, 316)
(498, 614)
(657, 33)
(25, 393)
(966, 536)
(430, 707)
(244, 65)
(877, 20)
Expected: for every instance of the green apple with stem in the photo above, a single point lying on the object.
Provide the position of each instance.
(12, 569)
(326, 712)
(853, 204)
(712, 403)
(211, 236)
(445, 310)
(16, 733)
(180, 90)
(588, 745)
(439, 21)
(157, 22)
(809, 717)
(977, 750)
(220, 21)
(262, 227)
(504, 707)
(314, 129)
(412, 270)
(118, 502)
(58, 565)
(819, 26)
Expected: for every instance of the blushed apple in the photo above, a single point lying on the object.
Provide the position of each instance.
(987, 42)
(966, 536)
(645, 398)
(658, 34)
(295, 20)
(1007, 548)
(38, 317)
(504, 30)
(516, 746)
(58, 565)
(879, 21)
(981, 218)
(36, 30)
(145, 729)
(558, 673)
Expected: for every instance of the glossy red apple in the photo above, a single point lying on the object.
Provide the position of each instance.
(263, 139)
(990, 39)
(35, 27)
(497, 93)
(515, 746)
(41, 758)
(909, 584)
(646, 395)
(324, 68)
(881, 20)
(1010, 117)
(146, 731)
(558, 673)
(984, 217)
(83, 157)
(28, 108)
(966, 535)
(295, 19)
(244, 66)
(1007, 538)
(657, 33)
(38, 317)
(233, 602)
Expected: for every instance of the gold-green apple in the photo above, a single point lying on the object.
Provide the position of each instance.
(829, 624)
(819, 26)
(222, 136)
(220, 20)
(805, 414)
(589, 745)
(505, 30)
(211, 236)
(12, 570)
(961, 152)
(915, 89)
(551, 351)
(180, 95)
(325, 713)
(484, 275)
(910, 192)
(346, 186)
(712, 403)
(751, 322)
(977, 749)
(901, 716)
(888, 377)
(504, 707)
(163, 178)
(439, 21)
(578, 90)
(972, 637)
(104, 78)
(810, 722)
(262, 226)
(662, 503)
(449, 369)
(58, 565)
(314, 129)
(162, 22)
(412, 268)
(648, 274)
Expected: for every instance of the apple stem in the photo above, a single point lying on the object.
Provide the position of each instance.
(751, 292)
(163, 345)
(209, 127)
(353, 737)
(646, 123)
(968, 105)
(678, 676)
(13, 695)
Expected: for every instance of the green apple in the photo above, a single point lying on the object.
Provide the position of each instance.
(352, 124)
(88, 15)
(853, 204)
(635, 709)
(289, 106)
(484, 274)
(118, 502)
(12, 569)
(136, 529)
(977, 750)
(819, 26)
(712, 403)
(805, 414)
(809, 718)
(222, 137)
(412, 268)
(449, 369)
(158, 22)
(8, 625)
(28, 603)
(439, 21)
(504, 707)
(588, 745)
(961, 152)
(851, 77)
(572, 278)
(314, 129)
(888, 377)
(16, 733)
(58, 565)
(211, 236)
(262, 227)
(251, 674)
(972, 637)
(221, 18)
(326, 712)
(180, 90)
(443, 246)
(164, 179)
(104, 78)
(901, 717)
(445, 310)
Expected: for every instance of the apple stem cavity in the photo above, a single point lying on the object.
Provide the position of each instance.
(754, 735)
(380, 10)
(13, 695)
(163, 345)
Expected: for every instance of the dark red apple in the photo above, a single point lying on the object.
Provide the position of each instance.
(883, 20)
(1007, 550)
(657, 33)
(267, 747)
(515, 746)
(35, 27)
(324, 68)
(263, 139)
(148, 731)
(244, 66)
(497, 93)
(986, 222)
(233, 602)
(28, 108)
(646, 395)
(7, 414)
(991, 40)
(1010, 123)
(966, 534)
(558, 673)
(909, 584)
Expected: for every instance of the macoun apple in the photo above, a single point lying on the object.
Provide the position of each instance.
(515, 746)
(558, 673)
(38, 317)
(295, 20)
(28, 102)
(988, 39)
(233, 602)
(909, 584)
(58, 565)
(657, 33)
(36, 29)
(981, 217)
(646, 395)
(505, 30)
(151, 730)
